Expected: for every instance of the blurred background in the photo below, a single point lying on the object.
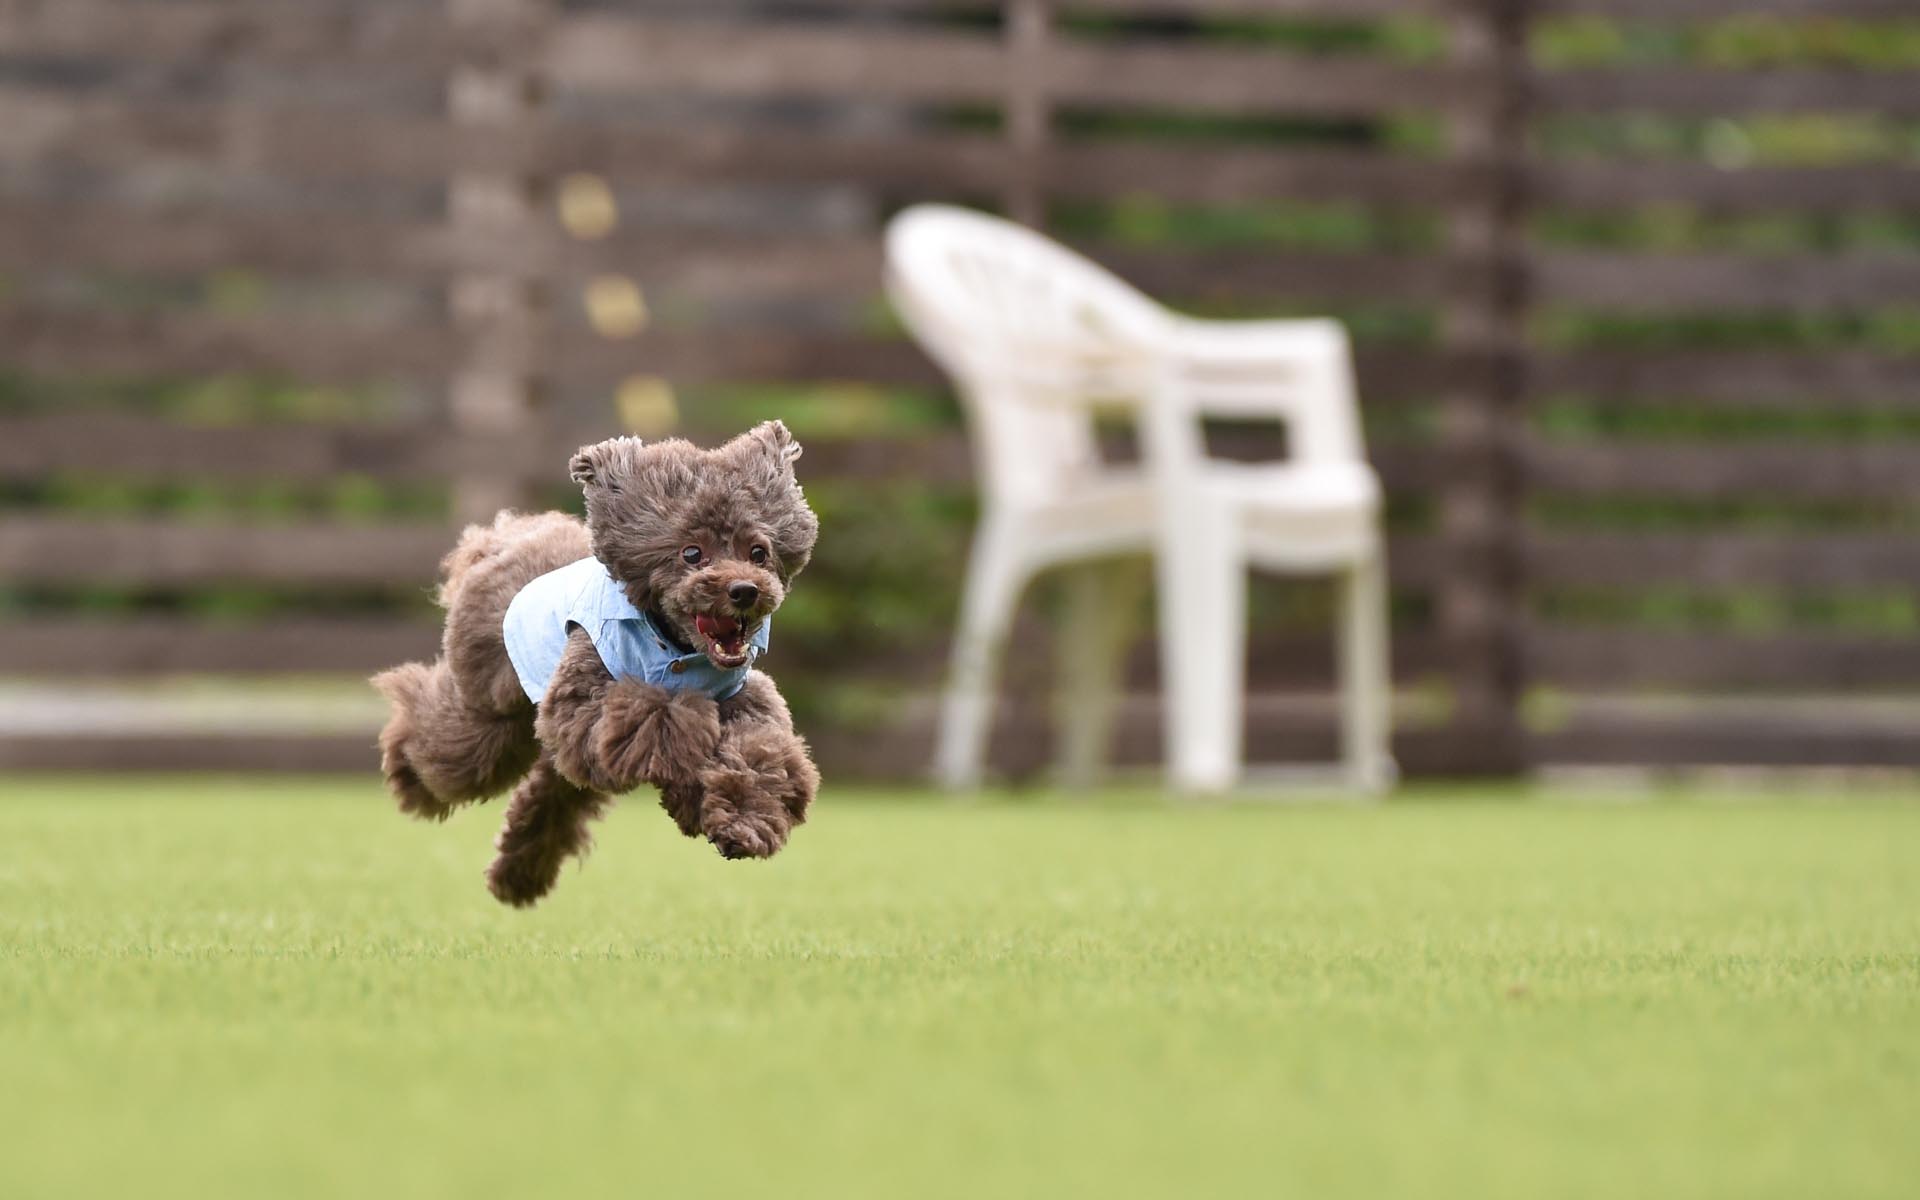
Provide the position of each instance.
(291, 288)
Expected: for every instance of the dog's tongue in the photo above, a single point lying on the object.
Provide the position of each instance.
(719, 627)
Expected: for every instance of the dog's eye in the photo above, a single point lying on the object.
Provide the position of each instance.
(691, 556)
(759, 555)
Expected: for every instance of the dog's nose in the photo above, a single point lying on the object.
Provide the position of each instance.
(743, 593)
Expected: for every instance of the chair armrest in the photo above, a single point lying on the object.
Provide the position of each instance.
(1235, 346)
(1300, 372)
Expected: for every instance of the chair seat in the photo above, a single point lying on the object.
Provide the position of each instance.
(1296, 487)
(1291, 515)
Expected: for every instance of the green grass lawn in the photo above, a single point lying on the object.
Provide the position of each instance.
(272, 988)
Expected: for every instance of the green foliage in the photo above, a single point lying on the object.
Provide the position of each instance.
(211, 400)
(882, 586)
(219, 601)
(1666, 607)
(1778, 140)
(1201, 127)
(1895, 330)
(1740, 43)
(1747, 513)
(1409, 38)
(823, 410)
(1144, 220)
(1671, 418)
(351, 498)
(1678, 229)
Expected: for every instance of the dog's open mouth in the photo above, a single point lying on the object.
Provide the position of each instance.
(726, 639)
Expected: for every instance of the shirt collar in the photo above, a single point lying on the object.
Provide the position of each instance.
(658, 635)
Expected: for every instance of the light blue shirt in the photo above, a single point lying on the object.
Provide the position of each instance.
(584, 594)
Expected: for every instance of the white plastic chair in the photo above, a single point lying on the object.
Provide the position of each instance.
(1036, 338)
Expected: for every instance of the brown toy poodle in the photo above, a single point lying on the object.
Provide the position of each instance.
(583, 660)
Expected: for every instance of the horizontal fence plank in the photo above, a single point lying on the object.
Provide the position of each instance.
(602, 51)
(948, 459)
(843, 753)
(124, 238)
(622, 54)
(211, 237)
(938, 165)
(1282, 730)
(169, 645)
(55, 127)
(1252, 81)
(311, 33)
(153, 553)
(97, 342)
(1699, 91)
(1255, 274)
(1708, 561)
(1793, 660)
(1231, 174)
(157, 553)
(1342, 9)
(704, 264)
(175, 646)
(129, 444)
(1607, 185)
(191, 752)
(915, 165)
(851, 266)
(1672, 283)
(1731, 739)
(1275, 660)
(1875, 471)
(741, 354)
(1839, 379)
(1388, 375)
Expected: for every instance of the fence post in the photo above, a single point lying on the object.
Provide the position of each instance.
(497, 311)
(1028, 115)
(1480, 606)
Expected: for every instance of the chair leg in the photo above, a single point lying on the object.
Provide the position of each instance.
(1092, 639)
(986, 611)
(1203, 657)
(1366, 679)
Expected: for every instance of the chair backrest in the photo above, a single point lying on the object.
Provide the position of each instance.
(1030, 332)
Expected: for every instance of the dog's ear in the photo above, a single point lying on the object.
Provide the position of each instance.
(777, 440)
(601, 463)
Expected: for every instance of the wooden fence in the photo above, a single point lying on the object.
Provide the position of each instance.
(355, 216)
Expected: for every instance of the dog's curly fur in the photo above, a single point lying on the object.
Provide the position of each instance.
(733, 771)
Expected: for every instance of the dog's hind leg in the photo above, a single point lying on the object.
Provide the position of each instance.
(546, 825)
(439, 752)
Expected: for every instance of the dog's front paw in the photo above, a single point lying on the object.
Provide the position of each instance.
(750, 836)
(739, 817)
(648, 734)
(780, 760)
